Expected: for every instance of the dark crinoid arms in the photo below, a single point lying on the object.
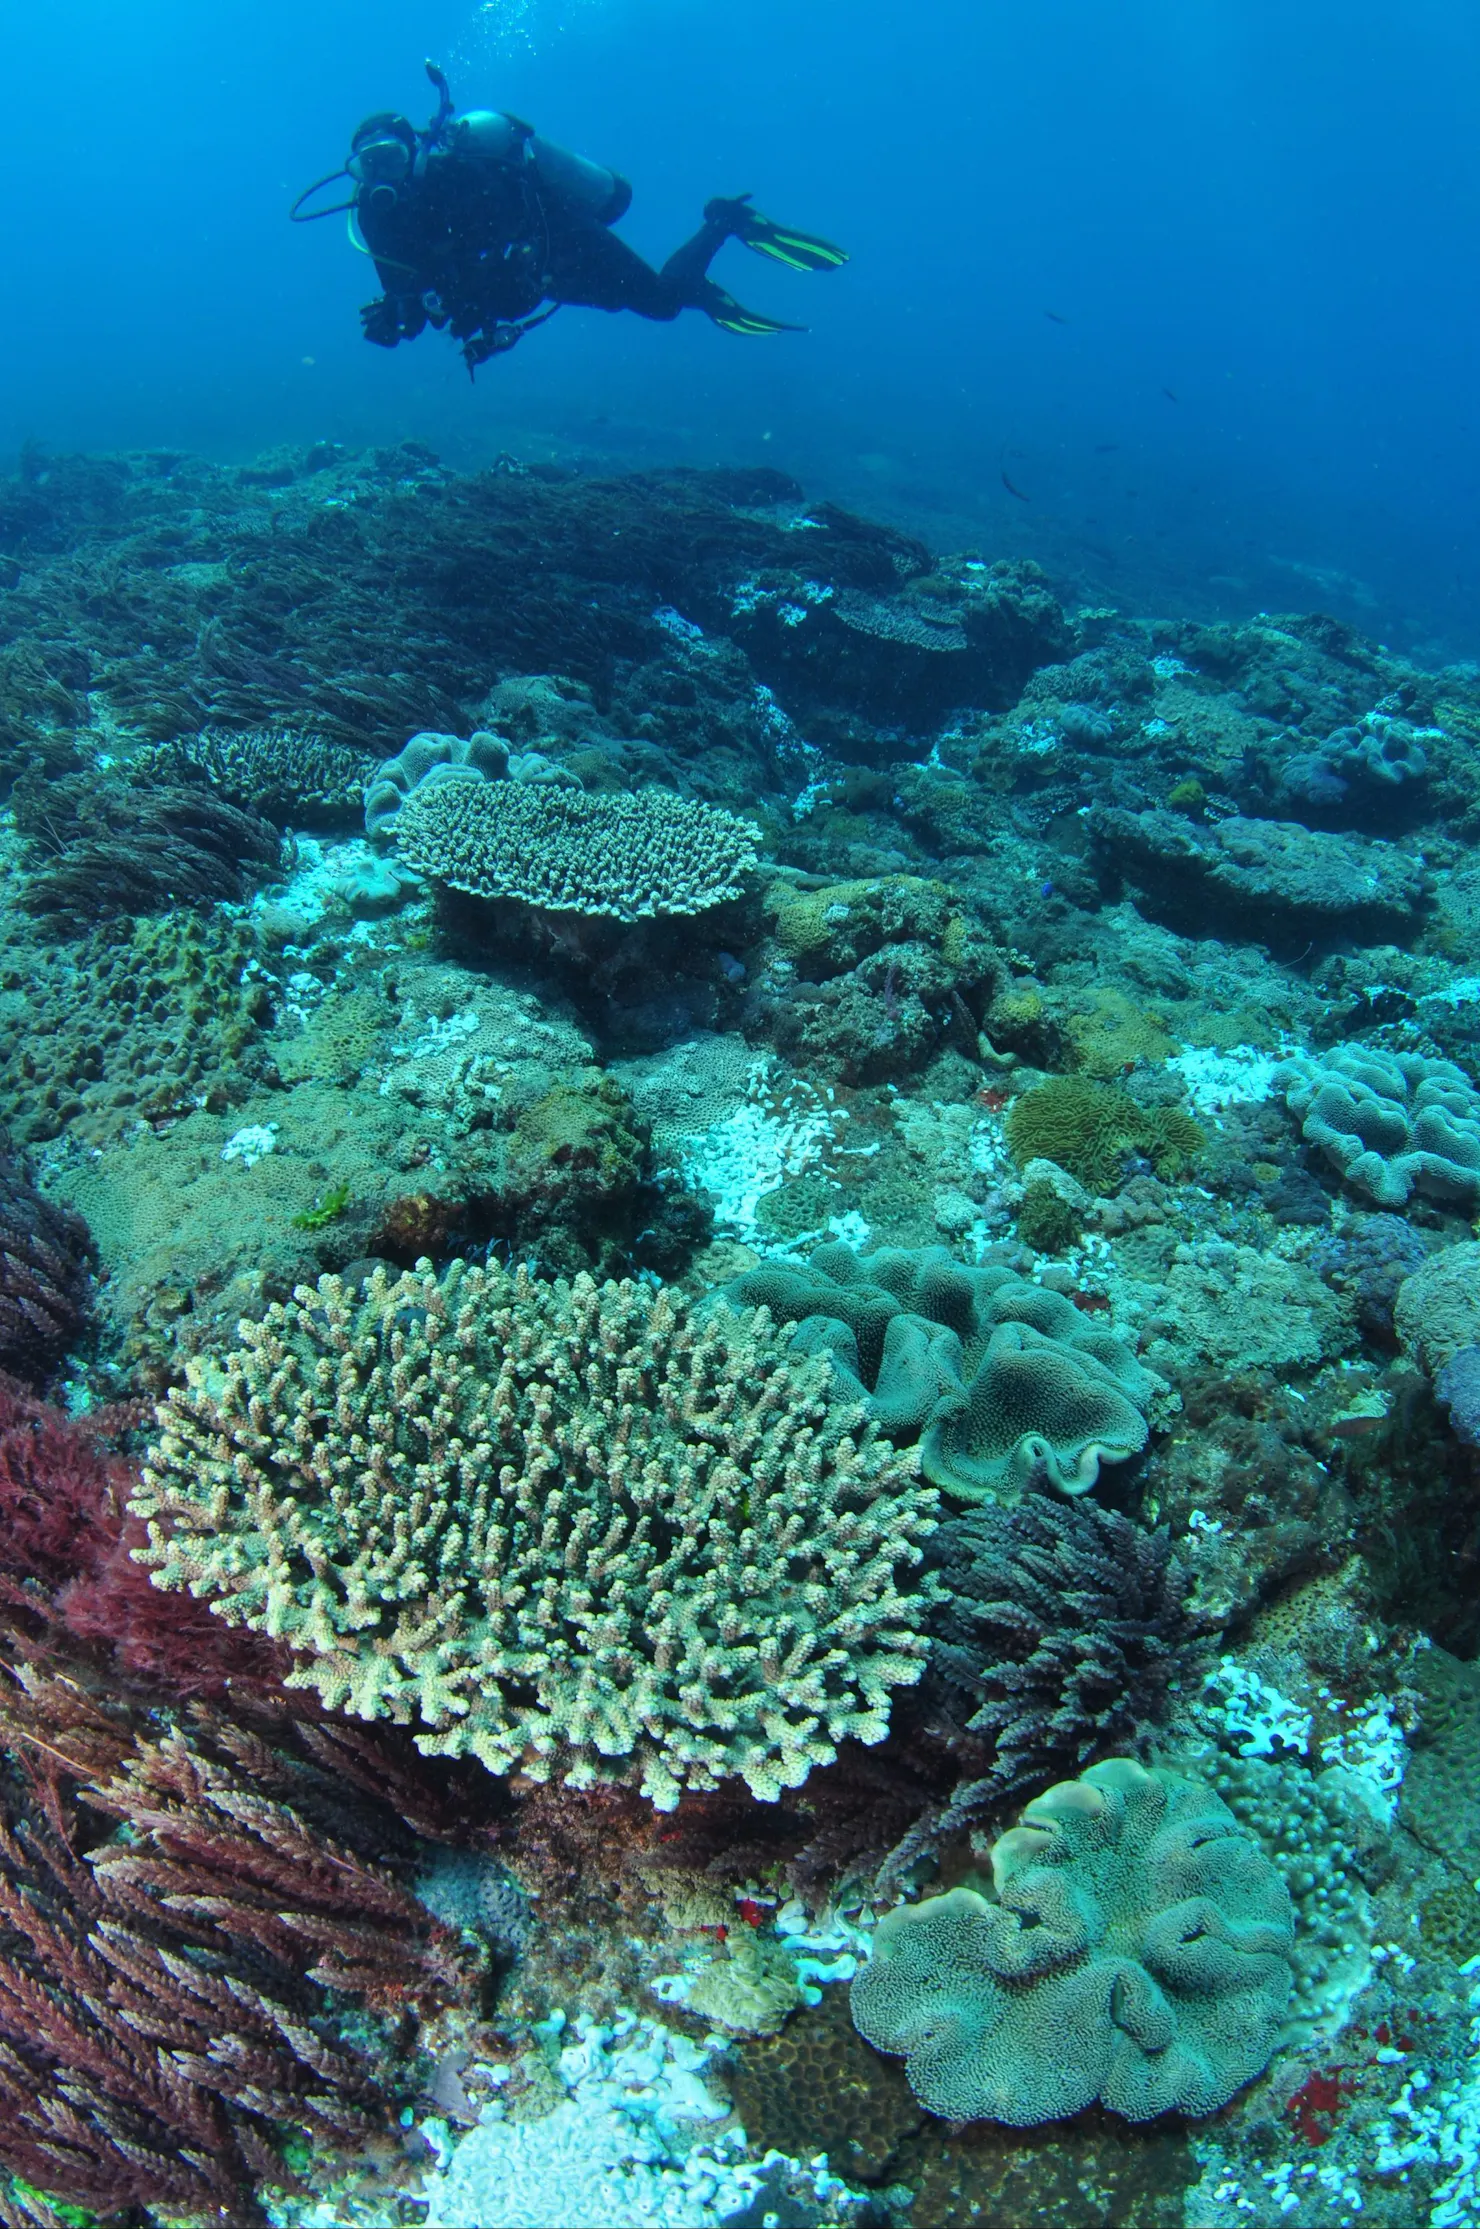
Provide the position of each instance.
(1063, 1628)
(180, 1935)
(45, 1253)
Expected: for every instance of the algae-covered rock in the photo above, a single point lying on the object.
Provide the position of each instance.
(1437, 1311)
(1263, 876)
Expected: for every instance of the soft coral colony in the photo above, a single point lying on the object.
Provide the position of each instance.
(724, 1348)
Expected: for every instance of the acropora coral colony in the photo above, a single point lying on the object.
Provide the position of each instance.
(739, 1373)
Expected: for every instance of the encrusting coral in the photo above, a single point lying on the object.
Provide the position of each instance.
(572, 1528)
(1137, 1951)
(621, 858)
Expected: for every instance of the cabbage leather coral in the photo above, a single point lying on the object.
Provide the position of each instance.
(564, 1528)
(1136, 1950)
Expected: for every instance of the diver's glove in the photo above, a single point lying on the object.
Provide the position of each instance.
(391, 319)
(801, 251)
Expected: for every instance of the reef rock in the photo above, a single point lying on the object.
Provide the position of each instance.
(1262, 876)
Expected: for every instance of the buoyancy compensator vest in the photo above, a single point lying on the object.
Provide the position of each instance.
(573, 182)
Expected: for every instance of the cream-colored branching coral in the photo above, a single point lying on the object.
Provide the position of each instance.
(566, 1528)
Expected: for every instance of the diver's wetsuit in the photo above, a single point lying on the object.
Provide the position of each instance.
(490, 247)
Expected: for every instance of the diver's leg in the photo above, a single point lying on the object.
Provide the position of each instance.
(592, 269)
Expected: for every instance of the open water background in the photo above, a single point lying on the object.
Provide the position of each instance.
(1267, 209)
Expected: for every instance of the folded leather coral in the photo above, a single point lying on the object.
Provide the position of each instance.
(1000, 1381)
(1392, 1123)
(1137, 1950)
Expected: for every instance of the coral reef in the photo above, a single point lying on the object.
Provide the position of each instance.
(639, 1543)
(612, 858)
(1392, 1123)
(1000, 1381)
(1037, 924)
(1136, 1950)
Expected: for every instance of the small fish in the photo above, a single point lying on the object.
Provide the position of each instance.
(1169, 395)
(1106, 448)
(1054, 318)
(1012, 490)
(1046, 891)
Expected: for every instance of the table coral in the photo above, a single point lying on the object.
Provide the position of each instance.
(615, 857)
(1136, 1951)
(563, 1527)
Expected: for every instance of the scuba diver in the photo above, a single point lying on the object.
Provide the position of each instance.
(479, 226)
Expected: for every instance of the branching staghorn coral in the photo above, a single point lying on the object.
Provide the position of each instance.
(571, 1528)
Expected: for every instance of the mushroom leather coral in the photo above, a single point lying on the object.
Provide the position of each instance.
(1137, 1951)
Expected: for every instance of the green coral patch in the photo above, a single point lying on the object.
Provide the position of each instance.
(1092, 1129)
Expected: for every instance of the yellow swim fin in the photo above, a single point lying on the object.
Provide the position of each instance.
(733, 317)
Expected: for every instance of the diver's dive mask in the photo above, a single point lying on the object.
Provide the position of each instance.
(382, 158)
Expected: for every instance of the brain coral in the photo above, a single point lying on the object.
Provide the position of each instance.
(999, 1380)
(625, 857)
(568, 1527)
(1137, 1951)
(1392, 1123)
(1091, 1129)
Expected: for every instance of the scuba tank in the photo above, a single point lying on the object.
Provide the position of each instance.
(587, 188)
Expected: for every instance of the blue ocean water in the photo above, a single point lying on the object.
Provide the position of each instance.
(1257, 223)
